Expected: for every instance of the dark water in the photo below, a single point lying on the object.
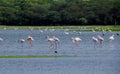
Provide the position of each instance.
(92, 60)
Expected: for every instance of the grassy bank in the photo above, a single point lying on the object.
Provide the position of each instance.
(96, 28)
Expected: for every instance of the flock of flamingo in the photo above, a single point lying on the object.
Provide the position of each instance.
(55, 41)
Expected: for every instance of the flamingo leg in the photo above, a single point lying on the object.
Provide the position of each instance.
(22, 45)
(76, 44)
(30, 44)
(56, 47)
(51, 45)
(95, 45)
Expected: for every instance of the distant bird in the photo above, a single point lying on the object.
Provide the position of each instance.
(67, 33)
(41, 31)
(117, 34)
(57, 40)
(103, 34)
(100, 39)
(54, 42)
(1, 39)
(51, 40)
(111, 38)
(21, 41)
(95, 40)
(30, 39)
(76, 41)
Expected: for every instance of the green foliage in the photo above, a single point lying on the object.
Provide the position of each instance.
(59, 12)
(83, 20)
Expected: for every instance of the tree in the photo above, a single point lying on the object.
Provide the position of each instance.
(83, 21)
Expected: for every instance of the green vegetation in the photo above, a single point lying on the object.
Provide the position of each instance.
(79, 28)
(59, 12)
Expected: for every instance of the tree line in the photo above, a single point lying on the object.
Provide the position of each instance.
(59, 12)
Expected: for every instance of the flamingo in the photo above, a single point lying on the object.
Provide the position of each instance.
(57, 40)
(111, 38)
(95, 40)
(54, 42)
(67, 33)
(30, 39)
(76, 40)
(51, 40)
(1, 39)
(100, 39)
(21, 41)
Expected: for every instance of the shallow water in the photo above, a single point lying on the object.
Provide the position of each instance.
(10, 45)
(60, 66)
(91, 60)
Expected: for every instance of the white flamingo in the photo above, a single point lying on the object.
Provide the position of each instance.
(67, 33)
(54, 42)
(100, 39)
(1, 39)
(111, 38)
(95, 40)
(21, 41)
(57, 40)
(76, 40)
(30, 39)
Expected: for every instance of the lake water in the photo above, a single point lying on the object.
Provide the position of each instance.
(103, 59)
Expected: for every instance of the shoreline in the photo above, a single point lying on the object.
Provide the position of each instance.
(89, 28)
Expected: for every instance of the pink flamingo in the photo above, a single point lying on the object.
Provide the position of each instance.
(30, 39)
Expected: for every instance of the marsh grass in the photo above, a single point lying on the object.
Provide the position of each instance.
(89, 28)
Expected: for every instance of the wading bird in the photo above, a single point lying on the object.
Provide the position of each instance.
(67, 33)
(51, 40)
(54, 42)
(30, 39)
(57, 40)
(100, 39)
(21, 41)
(111, 38)
(95, 41)
(76, 41)
(1, 39)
